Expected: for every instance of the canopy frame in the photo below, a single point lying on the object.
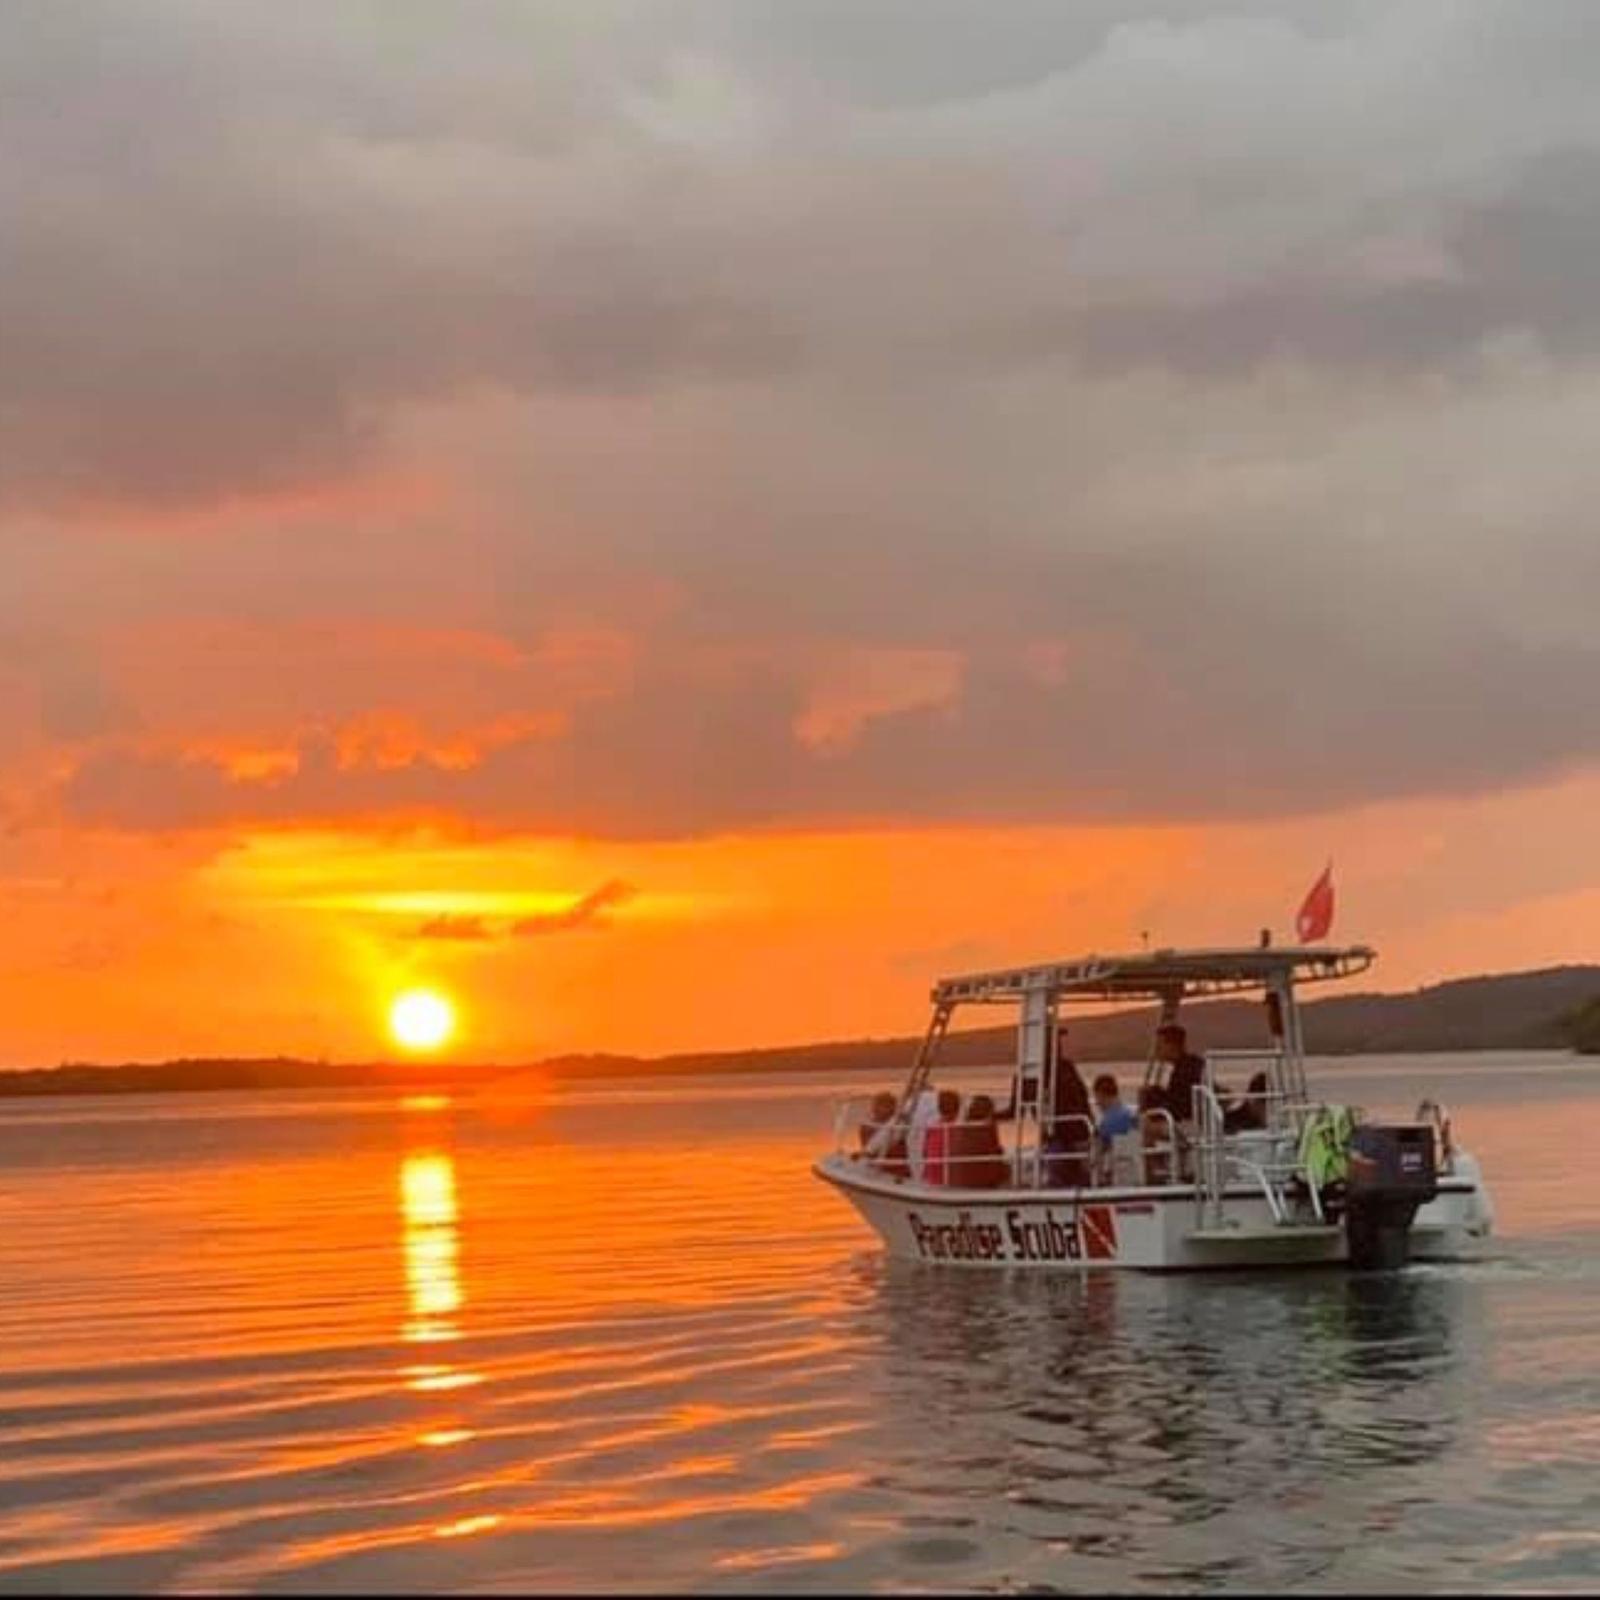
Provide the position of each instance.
(1168, 977)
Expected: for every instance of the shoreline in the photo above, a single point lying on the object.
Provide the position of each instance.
(1537, 1010)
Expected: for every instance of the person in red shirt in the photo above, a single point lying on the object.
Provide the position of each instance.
(976, 1158)
(936, 1147)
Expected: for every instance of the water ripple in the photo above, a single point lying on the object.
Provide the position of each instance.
(410, 1348)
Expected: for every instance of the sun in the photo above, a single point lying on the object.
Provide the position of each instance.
(422, 1020)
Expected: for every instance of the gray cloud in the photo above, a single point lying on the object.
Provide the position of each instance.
(1212, 384)
(233, 239)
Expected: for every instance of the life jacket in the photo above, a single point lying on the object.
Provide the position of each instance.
(1325, 1145)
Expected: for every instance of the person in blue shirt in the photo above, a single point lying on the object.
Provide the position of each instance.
(1114, 1117)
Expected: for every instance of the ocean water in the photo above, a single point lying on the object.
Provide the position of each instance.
(619, 1338)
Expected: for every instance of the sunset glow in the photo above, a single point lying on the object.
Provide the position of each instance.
(484, 616)
(642, 647)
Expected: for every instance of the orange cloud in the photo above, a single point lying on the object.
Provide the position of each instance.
(115, 945)
(450, 926)
(388, 740)
(587, 911)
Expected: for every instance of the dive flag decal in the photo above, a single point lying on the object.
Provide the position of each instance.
(1099, 1228)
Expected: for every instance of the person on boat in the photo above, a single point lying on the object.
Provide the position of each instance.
(1064, 1133)
(882, 1142)
(1112, 1120)
(879, 1117)
(1067, 1137)
(923, 1116)
(937, 1141)
(1188, 1070)
(976, 1158)
(1112, 1116)
(1250, 1110)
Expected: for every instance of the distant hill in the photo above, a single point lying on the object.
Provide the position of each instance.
(1510, 1011)
(1553, 1008)
(1583, 1028)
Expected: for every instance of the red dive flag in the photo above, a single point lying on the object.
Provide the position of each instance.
(1316, 915)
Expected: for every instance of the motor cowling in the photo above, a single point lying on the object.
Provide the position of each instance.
(1392, 1172)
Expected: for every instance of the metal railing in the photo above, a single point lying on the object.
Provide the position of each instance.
(1159, 1155)
(1269, 1158)
(1210, 1157)
(1057, 1156)
(1285, 1085)
(1160, 1148)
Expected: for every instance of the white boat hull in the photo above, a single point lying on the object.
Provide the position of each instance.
(1137, 1228)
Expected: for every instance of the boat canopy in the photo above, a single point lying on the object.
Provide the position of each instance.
(1158, 974)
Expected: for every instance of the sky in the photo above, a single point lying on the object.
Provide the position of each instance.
(681, 522)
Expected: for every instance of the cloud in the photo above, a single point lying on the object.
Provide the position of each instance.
(467, 929)
(587, 911)
(672, 418)
(234, 243)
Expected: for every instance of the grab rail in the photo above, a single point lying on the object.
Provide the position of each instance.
(1158, 1160)
(1047, 1156)
(1210, 1175)
(1160, 1147)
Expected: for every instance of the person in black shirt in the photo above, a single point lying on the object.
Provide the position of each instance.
(1072, 1128)
(1188, 1070)
(1249, 1111)
(1065, 1134)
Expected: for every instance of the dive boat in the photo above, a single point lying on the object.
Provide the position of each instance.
(1276, 1178)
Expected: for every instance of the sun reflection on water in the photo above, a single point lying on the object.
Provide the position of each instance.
(433, 1276)
(430, 1221)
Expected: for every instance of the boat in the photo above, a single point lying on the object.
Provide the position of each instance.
(1277, 1178)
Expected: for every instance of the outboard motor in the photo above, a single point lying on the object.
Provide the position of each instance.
(1391, 1173)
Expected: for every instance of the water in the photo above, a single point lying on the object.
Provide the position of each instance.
(619, 1338)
